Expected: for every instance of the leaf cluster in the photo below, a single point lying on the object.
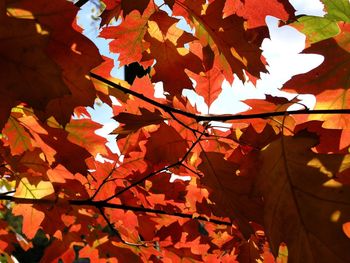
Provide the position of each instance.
(274, 186)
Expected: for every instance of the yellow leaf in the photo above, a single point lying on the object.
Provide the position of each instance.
(30, 191)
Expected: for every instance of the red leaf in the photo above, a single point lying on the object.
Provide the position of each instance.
(208, 84)
(233, 54)
(165, 146)
(230, 188)
(131, 122)
(255, 13)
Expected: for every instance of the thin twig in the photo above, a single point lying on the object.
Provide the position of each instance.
(115, 231)
(105, 180)
(156, 172)
(193, 171)
(184, 124)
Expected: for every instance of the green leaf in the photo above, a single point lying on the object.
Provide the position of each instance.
(338, 10)
(317, 28)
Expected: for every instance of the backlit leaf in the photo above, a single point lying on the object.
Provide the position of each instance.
(305, 206)
(48, 68)
(329, 82)
(32, 218)
(28, 190)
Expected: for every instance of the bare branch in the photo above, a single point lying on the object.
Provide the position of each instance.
(223, 117)
(103, 204)
(80, 3)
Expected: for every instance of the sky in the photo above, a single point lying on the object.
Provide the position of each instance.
(282, 52)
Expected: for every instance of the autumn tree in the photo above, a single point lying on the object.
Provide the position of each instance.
(277, 180)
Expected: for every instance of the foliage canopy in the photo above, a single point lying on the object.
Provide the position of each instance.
(274, 180)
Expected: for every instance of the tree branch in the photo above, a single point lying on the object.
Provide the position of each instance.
(210, 117)
(8, 193)
(80, 3)
(102, 204)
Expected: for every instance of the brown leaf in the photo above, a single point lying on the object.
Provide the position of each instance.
(233, 54)
(44, 61)
(230, 190)
(165, 146)
(305, 206)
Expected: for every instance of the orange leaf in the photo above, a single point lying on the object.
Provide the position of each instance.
(346, 229)
(82, 133)
(32, 218)
(17, 137)
(128, 36)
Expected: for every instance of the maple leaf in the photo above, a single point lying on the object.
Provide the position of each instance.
(128, 37)
(167, 48)
(17, 137)
(209, 84)
(165, 146)
(64, 149)
(82, 132)
(320, 28)
(232, 54)
(229, 191)
(271, 104)
(31, 191)
(132, 122)
(38, 71)
(329, 81)
(32, 218)
(304, 204)
(255, 14)
(41, 145)
(249, 137)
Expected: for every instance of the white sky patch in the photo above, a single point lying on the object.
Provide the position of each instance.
(179, 177)
(89, 20)
(103, 114)
(308, 7)
(159, 90)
